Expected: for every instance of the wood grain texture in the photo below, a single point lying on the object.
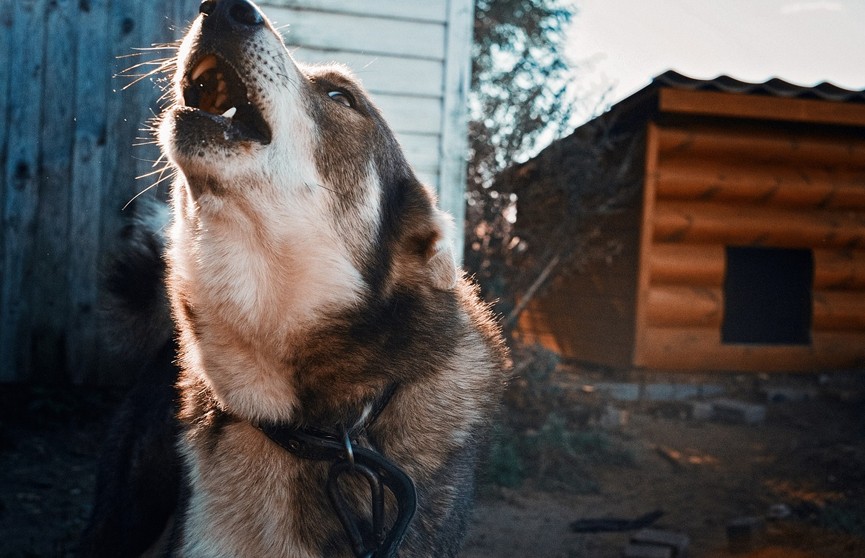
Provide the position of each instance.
(758, 144)
(21, 187)
(760, 107)
(718, 185)
(693, 349)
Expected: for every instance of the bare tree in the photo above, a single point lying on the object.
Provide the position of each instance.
(527, 223)
(519, 89)
(520, 81)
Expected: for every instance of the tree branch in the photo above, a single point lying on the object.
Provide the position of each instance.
(532, 291)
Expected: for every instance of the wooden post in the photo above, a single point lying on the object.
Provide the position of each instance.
(454, 126)
(644, 280)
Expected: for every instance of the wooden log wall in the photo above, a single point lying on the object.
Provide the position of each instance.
(68, 166)
(710, 186)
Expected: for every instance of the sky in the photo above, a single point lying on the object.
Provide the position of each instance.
(617, 46)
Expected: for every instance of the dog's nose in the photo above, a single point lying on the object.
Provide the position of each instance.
(236, 13)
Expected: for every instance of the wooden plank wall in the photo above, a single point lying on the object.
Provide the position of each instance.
(712, 185)
(414, 58)
(405, 76)
(67, 168)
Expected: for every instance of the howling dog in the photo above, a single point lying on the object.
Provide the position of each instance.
(333, 374)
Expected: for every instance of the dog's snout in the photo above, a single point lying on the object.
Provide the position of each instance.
(236, 14)
(244, 13)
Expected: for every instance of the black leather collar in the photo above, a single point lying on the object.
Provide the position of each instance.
(348, 458)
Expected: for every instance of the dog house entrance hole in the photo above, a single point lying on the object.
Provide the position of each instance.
(767, 296)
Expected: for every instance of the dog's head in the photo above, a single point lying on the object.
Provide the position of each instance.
(289, 175)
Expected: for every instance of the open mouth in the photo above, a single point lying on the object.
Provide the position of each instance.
(215, 88)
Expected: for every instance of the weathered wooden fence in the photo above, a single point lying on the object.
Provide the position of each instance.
(68, 165)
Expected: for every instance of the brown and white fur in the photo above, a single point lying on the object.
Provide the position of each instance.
(308, 271)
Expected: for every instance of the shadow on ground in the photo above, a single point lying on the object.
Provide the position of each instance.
(804, 462)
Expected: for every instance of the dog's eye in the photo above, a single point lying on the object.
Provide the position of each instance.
(341, 97)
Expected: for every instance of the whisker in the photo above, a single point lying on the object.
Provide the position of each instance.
(140, 52)
(159, 46)
(159, 66)
(160, 63)
(156, 47)
(165, 96)
(147, 160)
(151, 173)
(154, 185)
(160, 159)
(144, 160)
(138, 78)
(129, 55)
(152, 61)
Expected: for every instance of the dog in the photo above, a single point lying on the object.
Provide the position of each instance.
(333, 374)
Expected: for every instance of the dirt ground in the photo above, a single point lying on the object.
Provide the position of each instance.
(807, 459)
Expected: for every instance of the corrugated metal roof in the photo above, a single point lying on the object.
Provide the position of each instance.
(775, 87)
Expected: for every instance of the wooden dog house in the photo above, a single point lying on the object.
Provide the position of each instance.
(744, 248)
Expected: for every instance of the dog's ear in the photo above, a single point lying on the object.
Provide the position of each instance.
(440, 254)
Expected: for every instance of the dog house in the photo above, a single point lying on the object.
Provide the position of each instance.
(744, 247)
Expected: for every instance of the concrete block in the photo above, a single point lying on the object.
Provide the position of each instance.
(702, 410)
(786, 394)
(777, 512)
(712, 390)
(634, 550)
(677, 541)
(668, 392)
(619, 391)
(612, 418)
(740, 412)
(680, 392)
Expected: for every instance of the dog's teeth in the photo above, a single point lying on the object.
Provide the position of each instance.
(230, 112)
(208, 63)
